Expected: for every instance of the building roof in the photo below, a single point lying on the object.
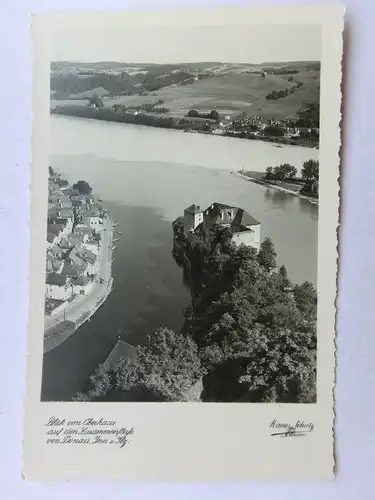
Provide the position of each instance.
(55, 228)
(77, 202)
(244, 219)
(87, 255)
(193, 209)
(73, 269)
(72, 240)
(57, 195)
(57, 279)
(55, 220)
(237, 218)
(82, 255)
(61, 212)
(51, 237)
(90, 212)
(82, 281)
(122, 350)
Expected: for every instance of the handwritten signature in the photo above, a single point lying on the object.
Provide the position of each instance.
(298, 429)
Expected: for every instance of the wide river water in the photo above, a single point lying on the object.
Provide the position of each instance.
(146, 177)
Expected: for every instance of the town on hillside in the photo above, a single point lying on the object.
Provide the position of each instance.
(78, 257)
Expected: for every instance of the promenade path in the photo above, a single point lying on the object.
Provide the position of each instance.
(59, 326)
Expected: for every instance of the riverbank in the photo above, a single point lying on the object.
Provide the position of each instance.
(254, 177)
(276, 141)
(168, 122)
(60, 326)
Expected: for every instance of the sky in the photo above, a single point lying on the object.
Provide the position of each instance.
(239, 44)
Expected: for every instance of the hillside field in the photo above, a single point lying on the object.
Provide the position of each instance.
(230, 89)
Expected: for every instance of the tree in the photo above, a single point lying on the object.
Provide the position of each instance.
(279, 366)
(165, 369)
(279, 173)
(292, 172)
(274, 130)
(269, 173)
(83, 187)
(267, 254)
(306, 299)
(96, 101)
(193, 113)
(310, 170)
(283, 272)
(287, 171)
(100, 384)
(214, 115)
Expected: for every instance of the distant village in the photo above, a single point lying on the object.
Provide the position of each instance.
(75, 263)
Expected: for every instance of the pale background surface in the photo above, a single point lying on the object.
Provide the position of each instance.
(355, 371)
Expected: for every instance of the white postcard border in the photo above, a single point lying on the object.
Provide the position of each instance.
(190, 441)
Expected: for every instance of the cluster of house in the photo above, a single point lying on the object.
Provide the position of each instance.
(290, 131)
(73, 242)
(245, 229)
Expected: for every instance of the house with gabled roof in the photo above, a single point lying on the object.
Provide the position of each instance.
(58, 286)
(82, 257)
(82, 285)
(245, 228)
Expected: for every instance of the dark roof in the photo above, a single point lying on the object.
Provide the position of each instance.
(52, 264)
(237, 218)
(72, 269)
(243, 218)
(63, 213)
(77, 203)
(81, 281)
(223, 205)
(121, 350)
(218, 213)
(56, 220)
(56, 279)
(193, 209)
(50, 237)
(55, 228)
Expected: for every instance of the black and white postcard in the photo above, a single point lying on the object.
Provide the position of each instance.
(183, 262)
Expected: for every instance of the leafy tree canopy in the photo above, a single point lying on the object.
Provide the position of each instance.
(310, 170)
(83, 187)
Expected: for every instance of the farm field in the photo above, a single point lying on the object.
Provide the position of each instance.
(230, 89)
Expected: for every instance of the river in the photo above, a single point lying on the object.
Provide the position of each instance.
(146, 177)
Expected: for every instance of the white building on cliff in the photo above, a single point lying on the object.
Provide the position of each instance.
(246, 229)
